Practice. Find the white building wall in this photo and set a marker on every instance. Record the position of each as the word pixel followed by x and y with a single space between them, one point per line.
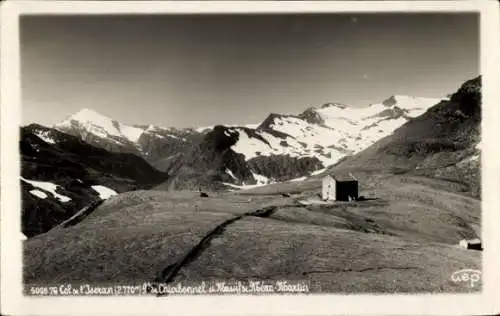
pixel 328 188
pixel 324 190
pixel 463 244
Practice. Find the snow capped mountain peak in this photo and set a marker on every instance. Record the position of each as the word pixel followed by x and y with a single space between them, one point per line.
pixel 392 100
pixel 89 115
pixel 332 130
pixel 337 105
pixel 409 102
pixel 326 132
pixel 89 121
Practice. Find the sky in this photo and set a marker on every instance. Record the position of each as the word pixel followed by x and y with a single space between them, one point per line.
pixel 196 70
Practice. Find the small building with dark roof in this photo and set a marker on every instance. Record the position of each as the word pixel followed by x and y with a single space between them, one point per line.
pixel 340 188
pixel 471 244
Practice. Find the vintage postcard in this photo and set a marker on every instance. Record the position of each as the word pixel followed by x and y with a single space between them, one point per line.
pixel 249 157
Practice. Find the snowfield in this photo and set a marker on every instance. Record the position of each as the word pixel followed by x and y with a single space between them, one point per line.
pixel 243 187
pixel 318 172
pixel 131 133
pixel 104 192
pixel 229 172
pixel 250 147
pixel 100 125
pixel 261 180
pixel 47 187
pixel 297 179
pixel 39 194
pixel 345 130
pixel 45 137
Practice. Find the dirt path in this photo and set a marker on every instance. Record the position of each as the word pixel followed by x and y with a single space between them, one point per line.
pixel 168 274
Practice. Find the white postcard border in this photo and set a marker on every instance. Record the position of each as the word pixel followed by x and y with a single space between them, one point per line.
pixel 14 303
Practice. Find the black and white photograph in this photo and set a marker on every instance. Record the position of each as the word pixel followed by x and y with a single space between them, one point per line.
pixel 165 154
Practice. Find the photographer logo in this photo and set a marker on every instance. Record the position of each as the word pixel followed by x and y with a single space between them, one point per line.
pixel 470 277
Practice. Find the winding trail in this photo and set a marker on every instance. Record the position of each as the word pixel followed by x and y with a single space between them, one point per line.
pixel 168 274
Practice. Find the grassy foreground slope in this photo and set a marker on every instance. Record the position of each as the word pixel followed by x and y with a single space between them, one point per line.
pixel 401 241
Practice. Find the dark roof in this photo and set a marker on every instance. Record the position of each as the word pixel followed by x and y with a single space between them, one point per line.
pixel 343 177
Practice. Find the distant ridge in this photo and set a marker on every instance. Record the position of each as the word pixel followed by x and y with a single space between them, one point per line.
pixel 306 142
pixel 443 142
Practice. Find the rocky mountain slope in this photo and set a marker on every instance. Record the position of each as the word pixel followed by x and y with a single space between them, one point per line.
pixel 281 147
pixel 208 164
pixel 443 142
pixel 61 174
pixel 213 164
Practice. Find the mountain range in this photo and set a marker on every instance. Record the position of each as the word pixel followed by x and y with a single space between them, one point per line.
pixel 95 215
pixel 322 134
pixel 102 152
